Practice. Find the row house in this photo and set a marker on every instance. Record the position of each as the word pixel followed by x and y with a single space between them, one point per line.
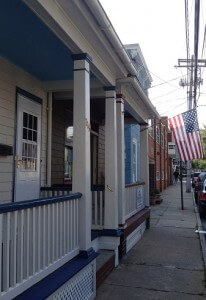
pixel 68 89
pixel 160 161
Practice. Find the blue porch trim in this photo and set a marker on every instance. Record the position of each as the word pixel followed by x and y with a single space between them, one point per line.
pixel 86 253
pixel 54 281
pixel 28 95
pixel 4 208
pixel 81 56
pixel 112 232
pixel 110 88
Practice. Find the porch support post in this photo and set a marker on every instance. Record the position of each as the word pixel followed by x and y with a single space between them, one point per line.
pixel 120 159
pixel 144 161
pixel 81 179
pixel 49 138
pixel 111 204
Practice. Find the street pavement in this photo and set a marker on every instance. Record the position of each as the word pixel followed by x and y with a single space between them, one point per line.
pixel 167 262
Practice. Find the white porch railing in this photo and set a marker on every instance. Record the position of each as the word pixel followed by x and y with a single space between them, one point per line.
pixel 97 207
pixel 36 238
pixel 134 199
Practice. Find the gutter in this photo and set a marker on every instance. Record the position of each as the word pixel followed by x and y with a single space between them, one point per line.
pixel 105 25
pixel 103 21
pixel 134 82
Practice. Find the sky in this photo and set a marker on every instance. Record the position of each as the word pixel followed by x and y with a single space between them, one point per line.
pixel 158 26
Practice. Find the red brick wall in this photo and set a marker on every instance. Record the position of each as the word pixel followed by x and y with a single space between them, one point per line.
pixel 161 158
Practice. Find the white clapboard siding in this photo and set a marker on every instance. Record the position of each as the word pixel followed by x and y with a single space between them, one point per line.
pixel 11 77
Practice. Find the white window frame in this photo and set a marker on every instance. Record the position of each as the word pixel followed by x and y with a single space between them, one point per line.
pixel 151 128
pixel 157 134
pixel 162 140
pixel 157 175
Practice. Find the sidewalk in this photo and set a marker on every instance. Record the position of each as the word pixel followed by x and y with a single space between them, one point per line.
pixel 167 263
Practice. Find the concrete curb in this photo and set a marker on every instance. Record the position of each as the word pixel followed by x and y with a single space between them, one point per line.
pixel 201 235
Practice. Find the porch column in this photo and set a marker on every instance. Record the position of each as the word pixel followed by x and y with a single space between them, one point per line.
pixel 81 179
pixel 121 159
pixel 49 138
pixel 111 204
pixel 144 161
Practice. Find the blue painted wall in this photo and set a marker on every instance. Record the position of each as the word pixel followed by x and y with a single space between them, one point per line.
pixel 131 131
pixel 27 42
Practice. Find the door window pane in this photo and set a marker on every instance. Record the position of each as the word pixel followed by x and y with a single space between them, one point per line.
pixel 29 142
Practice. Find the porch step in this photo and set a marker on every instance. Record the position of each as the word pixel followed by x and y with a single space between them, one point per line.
pixel 105 263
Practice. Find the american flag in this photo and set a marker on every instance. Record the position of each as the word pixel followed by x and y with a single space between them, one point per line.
pixel 185 130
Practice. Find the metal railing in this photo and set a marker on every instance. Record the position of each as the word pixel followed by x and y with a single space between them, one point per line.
pixel 36 237
pixel 55 191
pixel 134 199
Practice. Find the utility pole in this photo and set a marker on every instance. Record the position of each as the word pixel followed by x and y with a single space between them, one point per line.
pixel 196 42
pixel 189 82
pixel 189 106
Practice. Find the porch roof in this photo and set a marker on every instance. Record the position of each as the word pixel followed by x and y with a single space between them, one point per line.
pixel 27 42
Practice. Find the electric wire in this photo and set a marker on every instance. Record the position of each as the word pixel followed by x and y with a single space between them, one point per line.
pixel 166 94
pixel 168 81
pixel 165 112
pixel 170 100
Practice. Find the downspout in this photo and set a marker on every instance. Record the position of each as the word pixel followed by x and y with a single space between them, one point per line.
pixel 155 155
pixel 105 25
pixel 49 138
pixel 160 126
pixel 164 160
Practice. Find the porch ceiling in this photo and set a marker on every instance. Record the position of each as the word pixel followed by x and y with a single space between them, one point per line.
pixel 27 42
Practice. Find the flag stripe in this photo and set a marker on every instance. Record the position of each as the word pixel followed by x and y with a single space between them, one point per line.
pixel 190 143
pixel 184 157
pixel 195 139
pixel 177 140
pixel 184 138
pixel 199 144
pixel 192 146
pixel 185 130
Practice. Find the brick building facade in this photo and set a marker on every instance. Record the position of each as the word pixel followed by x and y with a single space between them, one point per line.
pixel 159 160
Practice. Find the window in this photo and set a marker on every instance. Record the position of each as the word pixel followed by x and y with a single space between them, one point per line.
pixel 163 173
pixel 157 175
pixel 29 142
pixel 68 157
pixel 68 154
pixel 157 134
pixel 162 140
pixel 134 160
pixel 151 128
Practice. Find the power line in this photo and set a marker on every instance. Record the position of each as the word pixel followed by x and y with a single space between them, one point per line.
pixel 168 81
pixel 170 100
pixel 173 107
pixel 164 81
pixel 166 94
